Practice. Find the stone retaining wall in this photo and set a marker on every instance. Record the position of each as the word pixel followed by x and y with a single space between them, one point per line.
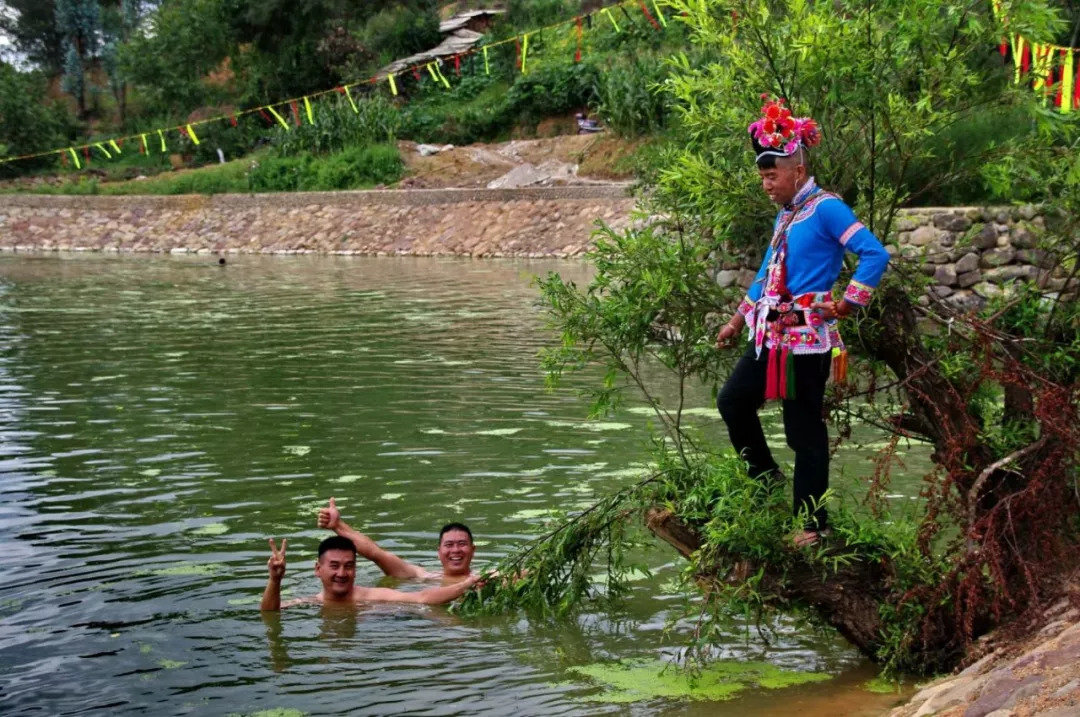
pixel 534 222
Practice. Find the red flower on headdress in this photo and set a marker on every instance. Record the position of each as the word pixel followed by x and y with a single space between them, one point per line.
pixel 777 127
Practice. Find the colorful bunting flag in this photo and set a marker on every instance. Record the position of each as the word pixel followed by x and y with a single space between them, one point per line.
pixel 648 15
pixel 393 85
pixel 352 102
pixel 278 117
pixel 612 18
pixel 577 53
pixel 307 108
pixel 75 158
pixel 659 14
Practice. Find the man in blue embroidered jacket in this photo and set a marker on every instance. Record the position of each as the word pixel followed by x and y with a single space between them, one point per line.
pixel 792 316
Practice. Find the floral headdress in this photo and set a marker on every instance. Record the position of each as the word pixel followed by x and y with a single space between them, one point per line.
pixel 779 134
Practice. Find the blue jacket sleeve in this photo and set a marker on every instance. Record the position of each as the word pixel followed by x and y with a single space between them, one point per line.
pixel 840 222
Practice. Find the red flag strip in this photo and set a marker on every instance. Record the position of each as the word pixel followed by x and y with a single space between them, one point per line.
pixel 232 120
pixel 517 49
pixel 1025 60
pixel 648 14
pixel 457 65
pixel 269 120
pixel 577 55
pixel 1076 86
pixel 295 112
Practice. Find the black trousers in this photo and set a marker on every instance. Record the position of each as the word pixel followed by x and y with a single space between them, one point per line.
pixel 804 425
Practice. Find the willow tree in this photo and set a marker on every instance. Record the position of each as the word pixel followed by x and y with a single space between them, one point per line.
pixel 906 92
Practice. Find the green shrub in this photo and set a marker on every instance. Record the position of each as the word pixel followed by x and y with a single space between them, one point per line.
pixel 354 168
pixel 337 126
pixel 554 88
pixel 627 98
pixel 359 166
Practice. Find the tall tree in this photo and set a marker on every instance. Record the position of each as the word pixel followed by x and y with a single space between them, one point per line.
pixel 79 23
pixel 31 25
pixel 120 24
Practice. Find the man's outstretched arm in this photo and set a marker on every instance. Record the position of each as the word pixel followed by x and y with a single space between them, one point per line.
pixel 428 596
pixel 390 564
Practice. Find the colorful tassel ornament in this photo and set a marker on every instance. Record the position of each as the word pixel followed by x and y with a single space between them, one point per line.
pixel 772 376
pixel 839 365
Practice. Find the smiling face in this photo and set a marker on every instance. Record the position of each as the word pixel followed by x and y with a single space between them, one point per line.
pixel 456 552
pixel 782 181
pixel 337 571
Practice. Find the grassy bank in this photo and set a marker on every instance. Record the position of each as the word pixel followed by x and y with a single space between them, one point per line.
pixel 262 171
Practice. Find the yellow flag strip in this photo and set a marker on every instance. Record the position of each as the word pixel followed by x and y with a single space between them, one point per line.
pixel 1067 83
pixel 307 108
pixel 191 133
pixel 75 157
pixel 487 70
pixel 1018 52
pixel 278 117
pixel 161 136
pixel 659 15
pixel 442 77
pixel 524 50
pixel 104 151
pixel 115 146
pixel 144 148
pixel 611 17
pixel 348 94
pixel 393 85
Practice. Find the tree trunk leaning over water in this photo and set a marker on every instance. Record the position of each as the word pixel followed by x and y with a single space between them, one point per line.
pixel 847 600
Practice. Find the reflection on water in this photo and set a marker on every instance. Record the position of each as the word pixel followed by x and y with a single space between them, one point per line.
pixel 159 418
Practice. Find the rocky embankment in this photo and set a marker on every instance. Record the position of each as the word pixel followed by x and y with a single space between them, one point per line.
pixel 527 222
pixel 1040 676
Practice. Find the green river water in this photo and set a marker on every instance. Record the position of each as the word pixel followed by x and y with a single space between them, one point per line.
pixel 161 417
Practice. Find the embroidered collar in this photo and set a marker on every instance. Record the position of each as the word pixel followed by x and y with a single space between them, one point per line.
pixel 807 189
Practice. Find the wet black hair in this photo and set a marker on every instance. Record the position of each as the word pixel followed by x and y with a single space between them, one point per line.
pixel 336 542
pixel 455 526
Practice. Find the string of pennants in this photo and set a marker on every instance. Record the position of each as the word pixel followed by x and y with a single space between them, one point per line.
pixel 301 108
pixel 1052 70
